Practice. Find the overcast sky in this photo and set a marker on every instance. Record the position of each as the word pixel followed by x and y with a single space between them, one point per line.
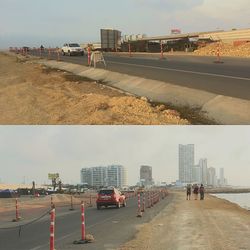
pixel 36 22
pixel 34 151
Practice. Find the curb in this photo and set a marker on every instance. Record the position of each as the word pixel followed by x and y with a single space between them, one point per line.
pixel 222 109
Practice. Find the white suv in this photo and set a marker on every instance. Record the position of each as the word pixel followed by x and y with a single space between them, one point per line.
pixel 72 49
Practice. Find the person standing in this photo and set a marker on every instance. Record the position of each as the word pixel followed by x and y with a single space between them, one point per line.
pixel 196 191
pixel 202 192
pixel 188 191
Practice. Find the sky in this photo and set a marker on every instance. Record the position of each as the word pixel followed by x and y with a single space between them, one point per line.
pixel 52 23
pixel 31 152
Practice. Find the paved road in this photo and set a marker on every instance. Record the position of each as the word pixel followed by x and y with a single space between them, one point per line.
pixel 110 227
pixel 230 78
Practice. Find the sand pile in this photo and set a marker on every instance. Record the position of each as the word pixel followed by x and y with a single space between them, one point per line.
pixel 242 50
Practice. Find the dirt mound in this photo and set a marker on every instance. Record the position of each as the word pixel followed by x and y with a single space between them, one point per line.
pixel 242 50
pixel 32 94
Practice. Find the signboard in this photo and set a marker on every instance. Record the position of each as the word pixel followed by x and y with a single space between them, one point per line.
pixel 53 176
pixel 175 31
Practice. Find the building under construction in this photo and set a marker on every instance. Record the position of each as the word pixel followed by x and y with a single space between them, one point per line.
pixel 184 44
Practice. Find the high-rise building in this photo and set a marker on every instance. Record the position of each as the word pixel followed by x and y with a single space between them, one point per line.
pixel 221 177
pixel 211 177
pixel 113 175
pixel 203 169
pixel 146 175
pixel 196 174
pixel 186 162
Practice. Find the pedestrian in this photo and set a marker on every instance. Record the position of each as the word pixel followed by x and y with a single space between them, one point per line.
pixel 202 191
pixel 196 191
pixel 188 191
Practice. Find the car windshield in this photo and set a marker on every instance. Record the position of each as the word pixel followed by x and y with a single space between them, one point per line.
pixel 74 45
pixel 106 192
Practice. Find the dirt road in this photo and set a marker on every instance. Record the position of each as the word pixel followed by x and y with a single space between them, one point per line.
pixel 212 224
pixel 32 94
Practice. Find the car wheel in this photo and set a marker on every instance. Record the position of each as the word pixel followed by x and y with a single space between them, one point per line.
pixel 63 53
pixel 82 54
pixel 118 205
pixel 98 207
pixel 124 204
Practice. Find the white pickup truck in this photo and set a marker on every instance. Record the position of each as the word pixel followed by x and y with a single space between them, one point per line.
pixel 72 49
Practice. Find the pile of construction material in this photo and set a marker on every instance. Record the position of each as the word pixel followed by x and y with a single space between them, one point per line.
pixel 236 49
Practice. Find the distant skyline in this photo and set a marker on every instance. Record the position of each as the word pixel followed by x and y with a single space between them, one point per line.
pixel 31 152
pixel 52 23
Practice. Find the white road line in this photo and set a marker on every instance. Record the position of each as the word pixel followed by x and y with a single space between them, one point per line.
pixel 182 71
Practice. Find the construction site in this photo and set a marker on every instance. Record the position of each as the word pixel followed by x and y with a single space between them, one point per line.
pixel 232 43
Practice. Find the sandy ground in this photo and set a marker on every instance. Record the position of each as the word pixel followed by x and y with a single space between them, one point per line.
pixel 32 94
pixel 30 203
pixel 242 50
pixel 212 224
pixel 16 186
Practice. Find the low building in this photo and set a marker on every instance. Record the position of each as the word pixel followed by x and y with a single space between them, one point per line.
pixel 101 176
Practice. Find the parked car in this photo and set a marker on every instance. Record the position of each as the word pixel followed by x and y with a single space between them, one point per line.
pixel 72 49
pixel 110 197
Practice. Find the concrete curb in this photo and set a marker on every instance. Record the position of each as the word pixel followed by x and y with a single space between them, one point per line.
pixel 222 109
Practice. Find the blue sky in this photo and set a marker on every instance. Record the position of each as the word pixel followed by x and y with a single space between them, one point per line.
pixel 36 22
pixel 34 151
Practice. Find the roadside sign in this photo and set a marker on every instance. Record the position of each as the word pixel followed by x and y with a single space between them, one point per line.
pixel 53 176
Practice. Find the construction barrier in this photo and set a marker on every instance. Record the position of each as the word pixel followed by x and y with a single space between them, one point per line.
pixel 71 203
pixel 218 60
pixel 83 239
pixel 162 56
pixel 83 221
pixel 97 57
pixel 52 229
pixel 139 212
pixel 17 212
pixel 143 202
pixel 89 56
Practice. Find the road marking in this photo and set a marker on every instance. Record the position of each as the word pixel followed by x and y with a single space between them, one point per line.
pixel 35 248
pixel 70 234
pixel 182 71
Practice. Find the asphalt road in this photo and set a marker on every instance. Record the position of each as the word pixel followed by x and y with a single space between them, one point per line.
pixel 110 227
pixel 230 78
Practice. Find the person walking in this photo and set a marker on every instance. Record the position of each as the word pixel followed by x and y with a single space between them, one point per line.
pixel 202 192
pixel 196 191
pixel 188 191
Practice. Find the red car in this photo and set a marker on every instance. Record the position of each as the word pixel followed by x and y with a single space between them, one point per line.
pixel 110 197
